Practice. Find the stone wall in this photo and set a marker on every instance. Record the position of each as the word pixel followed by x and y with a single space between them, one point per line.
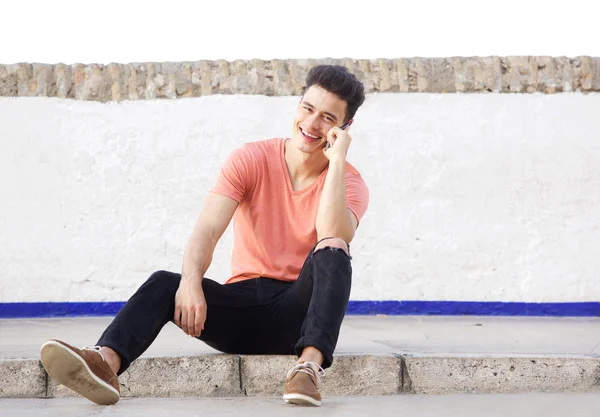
pixel 137 81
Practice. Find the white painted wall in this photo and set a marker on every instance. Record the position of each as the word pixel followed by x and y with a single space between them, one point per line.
pixel 473 197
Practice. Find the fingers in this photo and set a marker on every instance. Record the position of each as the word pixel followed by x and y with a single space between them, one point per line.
pixel 333 132
pixel 332 136
pixel 184 321
pixel 177 316
pixel 190 322
pixel 200 317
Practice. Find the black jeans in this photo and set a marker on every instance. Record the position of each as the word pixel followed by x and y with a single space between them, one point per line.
pixel 256 316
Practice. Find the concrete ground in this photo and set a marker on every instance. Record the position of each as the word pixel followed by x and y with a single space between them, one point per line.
pixel 376 355
pixel 412 335
pixel 515 405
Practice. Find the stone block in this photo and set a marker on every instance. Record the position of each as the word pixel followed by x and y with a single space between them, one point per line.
pixel 474 68
pixel 491 74
pixel 166 79
pixel 183 81
pixel 452 375
pixel 573 68
pixel 24 72
pixel 119 81
pixel 413 75
pixel 402 75
pixel 349 375
pixel 194 376
pixel 562 70
pixel 268 77
pixel 386 81
pixel 42 81
pixel 423 69
pixel 282 82
pixel 153 81
pixel 97 85
pixel 135 82
pixel 523 74
pixel 364 68
pixel 257 78
pixel 587 73
pixel 298 74
pixel 63 79
pixel 442 76
pixel 547 75
pixel 79 81
pixel 596 74
pixel 241 77
pixel 22 378
pixel 222 80
pixel 8 81
pixel 468 74
pixel 363 375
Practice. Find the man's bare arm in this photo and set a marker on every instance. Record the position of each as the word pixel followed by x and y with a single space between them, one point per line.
pixel 214 218
pixel 190 305
pixel 334 219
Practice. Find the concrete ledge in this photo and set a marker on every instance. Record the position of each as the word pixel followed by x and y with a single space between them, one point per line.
pixel 22 378
pixel 360 374
pixel 452 375
pixel 193 376
pixel 349 375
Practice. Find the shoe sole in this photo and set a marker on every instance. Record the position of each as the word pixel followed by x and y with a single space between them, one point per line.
pixel 69 369
pixel 301 399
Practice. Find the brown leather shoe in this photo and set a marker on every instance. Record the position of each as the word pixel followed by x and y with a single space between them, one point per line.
pixel 83 370
pixel 301 384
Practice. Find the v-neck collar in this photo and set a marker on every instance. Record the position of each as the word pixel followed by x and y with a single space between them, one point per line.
pixel 288 179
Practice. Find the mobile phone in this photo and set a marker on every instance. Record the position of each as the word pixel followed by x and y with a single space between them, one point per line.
pixel 344 126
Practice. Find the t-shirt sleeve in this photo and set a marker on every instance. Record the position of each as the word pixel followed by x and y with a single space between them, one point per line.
pixel 236 176
pixel 357 195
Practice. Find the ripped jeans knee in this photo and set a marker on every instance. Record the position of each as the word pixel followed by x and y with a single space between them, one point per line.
pixel 333 244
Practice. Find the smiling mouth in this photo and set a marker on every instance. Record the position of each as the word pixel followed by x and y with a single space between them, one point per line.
pixel 309 137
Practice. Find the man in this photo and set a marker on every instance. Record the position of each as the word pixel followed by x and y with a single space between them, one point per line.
pixel 289 198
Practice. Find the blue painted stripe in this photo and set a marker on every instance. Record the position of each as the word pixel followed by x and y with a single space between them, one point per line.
pixel 14 310
pixel 473 308
pixel 397 308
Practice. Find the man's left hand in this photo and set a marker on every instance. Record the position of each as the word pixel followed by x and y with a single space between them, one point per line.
pixel 339 142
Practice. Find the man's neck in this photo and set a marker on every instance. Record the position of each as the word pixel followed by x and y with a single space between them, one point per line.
pixel 301 166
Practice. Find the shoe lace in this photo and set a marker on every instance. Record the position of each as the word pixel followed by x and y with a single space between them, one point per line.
pixel 95 349
pixel 309 368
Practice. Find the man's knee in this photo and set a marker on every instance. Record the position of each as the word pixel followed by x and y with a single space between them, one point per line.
pixel 333 242
pixel 164 279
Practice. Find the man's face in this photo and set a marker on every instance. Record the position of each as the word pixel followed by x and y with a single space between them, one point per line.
pixel 318 111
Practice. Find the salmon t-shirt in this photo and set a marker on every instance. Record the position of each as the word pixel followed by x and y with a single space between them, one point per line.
pixel 274 226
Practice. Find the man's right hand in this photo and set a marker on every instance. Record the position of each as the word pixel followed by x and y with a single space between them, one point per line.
pixel 190 306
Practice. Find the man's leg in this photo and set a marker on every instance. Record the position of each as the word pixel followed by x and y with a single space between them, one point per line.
pixel 320 296
pixel 331 278
pixel 92 371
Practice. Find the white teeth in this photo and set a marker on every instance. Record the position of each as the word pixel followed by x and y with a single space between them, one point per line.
pixel 310 136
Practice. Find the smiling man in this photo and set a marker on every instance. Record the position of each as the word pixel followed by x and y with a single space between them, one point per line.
pixel 296 204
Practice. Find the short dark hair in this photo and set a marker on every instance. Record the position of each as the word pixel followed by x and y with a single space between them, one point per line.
pixel 338 80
